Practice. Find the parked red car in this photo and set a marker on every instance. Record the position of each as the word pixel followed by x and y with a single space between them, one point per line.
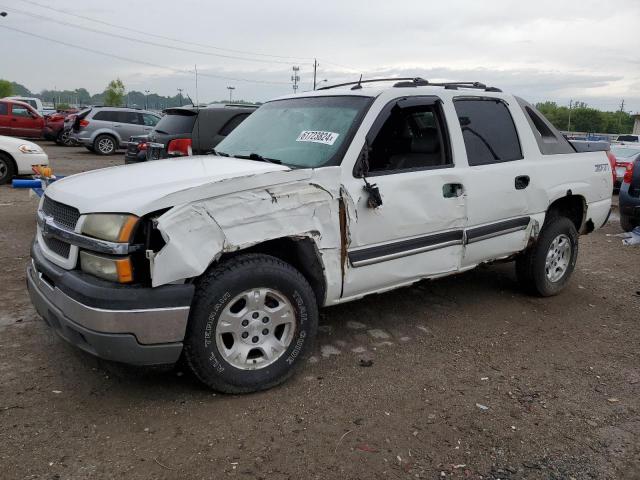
pixel 19 119
pixel 54 126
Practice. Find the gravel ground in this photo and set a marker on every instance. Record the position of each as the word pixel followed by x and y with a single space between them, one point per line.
pixel 470 378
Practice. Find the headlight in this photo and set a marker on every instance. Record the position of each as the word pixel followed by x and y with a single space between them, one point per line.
pixel 114 227
pixel 114 269
pixel 29 149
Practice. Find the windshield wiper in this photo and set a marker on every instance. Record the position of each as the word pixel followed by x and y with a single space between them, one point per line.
pixel 260 158
pixel 220 154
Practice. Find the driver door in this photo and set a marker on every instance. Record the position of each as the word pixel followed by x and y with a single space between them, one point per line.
pixel 417 231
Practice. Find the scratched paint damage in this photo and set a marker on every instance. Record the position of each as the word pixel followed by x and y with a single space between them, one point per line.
pixel 243 212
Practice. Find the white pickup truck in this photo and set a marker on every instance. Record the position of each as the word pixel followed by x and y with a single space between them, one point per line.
pixel 316 199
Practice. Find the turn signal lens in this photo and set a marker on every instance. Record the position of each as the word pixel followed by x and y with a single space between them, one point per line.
pixel 109 268
pixel 628 173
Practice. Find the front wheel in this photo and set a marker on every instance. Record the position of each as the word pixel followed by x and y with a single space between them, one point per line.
pixel 545 268
pixel 253 320
pixel 7 169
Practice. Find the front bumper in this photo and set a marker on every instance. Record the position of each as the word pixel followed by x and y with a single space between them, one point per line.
pixel 135 325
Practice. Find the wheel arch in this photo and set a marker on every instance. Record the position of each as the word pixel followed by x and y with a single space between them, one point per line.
pixel 300 252
pixel 11 159
pixel 108 133
pixel 573 207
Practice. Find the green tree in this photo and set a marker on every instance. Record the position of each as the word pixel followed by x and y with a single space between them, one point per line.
pixel 6 89
pixel 114 94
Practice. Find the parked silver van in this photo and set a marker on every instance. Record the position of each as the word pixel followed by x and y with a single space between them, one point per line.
pixel 104 130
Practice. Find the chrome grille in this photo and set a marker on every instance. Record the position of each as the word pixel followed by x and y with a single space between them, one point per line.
pixel 58 246
pixel 62 214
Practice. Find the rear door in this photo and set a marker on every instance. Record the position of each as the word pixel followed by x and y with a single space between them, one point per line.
pixel 25 122
pixel 5 119
pixel 498 180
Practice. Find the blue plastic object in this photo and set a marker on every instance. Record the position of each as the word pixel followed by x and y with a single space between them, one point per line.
pixel 18 183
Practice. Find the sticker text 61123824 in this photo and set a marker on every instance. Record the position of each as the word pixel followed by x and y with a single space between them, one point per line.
pixel 317 136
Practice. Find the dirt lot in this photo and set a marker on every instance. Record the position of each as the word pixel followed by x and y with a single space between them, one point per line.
pixel 470 379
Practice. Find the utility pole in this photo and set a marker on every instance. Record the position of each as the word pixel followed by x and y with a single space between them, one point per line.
pixel 569 126
pixel 315 71
pixel 180 93
pixel 231 89
pixel 295 78
pixel 146 99
pixel 620 116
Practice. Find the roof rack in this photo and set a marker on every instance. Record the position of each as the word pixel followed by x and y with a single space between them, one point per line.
pixel 415 82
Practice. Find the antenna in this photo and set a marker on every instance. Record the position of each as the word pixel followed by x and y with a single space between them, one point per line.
pixel 295 78
pixel 197 108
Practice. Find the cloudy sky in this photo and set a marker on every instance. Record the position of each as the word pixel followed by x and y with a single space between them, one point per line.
pixel 557 50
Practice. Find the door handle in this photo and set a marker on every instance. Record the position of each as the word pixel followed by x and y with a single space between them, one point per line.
pixel 452 190
pixel 522 182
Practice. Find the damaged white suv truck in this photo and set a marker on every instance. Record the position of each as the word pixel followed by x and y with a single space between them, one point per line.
pixel 316 199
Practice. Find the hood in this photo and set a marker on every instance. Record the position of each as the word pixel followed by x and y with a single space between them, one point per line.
pixel 146 187
pixel 13 143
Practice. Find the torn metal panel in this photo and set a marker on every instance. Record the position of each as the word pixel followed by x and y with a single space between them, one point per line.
pixel 197 233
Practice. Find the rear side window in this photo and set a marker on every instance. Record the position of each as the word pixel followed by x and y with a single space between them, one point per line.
pixel 232 124
pixel 627 138
pixel 129 117
pixel 4 109
pixel 175 124
pixel 106 116
pixel 488 130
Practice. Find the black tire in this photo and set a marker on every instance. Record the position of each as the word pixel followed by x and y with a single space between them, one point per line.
pixel 63 138
pixel 217 291
pixel 7 168
pixel 626 224
pixel 531 268
pixel 105 145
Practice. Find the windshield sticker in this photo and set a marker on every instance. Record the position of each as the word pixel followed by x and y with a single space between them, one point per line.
pixel 317 136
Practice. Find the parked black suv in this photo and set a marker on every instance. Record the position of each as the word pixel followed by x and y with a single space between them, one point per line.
pixel 187 131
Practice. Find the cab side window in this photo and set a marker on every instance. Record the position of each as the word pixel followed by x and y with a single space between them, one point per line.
pixel 18 111
pixel 411 138
pixel 488 130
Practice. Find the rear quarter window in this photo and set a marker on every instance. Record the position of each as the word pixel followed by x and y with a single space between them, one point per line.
pixel 176 123
pixel 232 124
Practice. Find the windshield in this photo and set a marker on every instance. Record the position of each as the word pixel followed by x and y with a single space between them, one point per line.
pixel 300 132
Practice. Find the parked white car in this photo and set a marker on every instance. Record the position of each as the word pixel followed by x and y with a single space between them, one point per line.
pixel 36 103
pixel 315 200
pixel 18 156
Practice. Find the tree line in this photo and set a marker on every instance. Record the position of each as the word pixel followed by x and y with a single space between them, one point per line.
pixel 114 94
pixel 582 118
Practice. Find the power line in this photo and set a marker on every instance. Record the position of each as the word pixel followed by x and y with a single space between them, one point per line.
pixel 139 62
pixel 113 25
pixel 147 42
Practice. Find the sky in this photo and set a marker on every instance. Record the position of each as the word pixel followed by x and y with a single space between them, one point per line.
pixel 558 50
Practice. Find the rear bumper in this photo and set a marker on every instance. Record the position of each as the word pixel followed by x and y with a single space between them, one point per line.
pixel 120 325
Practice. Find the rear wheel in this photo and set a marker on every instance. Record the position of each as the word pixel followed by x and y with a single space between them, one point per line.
pixel 7 168
pixel 105 145
pixel 252 321
pixel 545 268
